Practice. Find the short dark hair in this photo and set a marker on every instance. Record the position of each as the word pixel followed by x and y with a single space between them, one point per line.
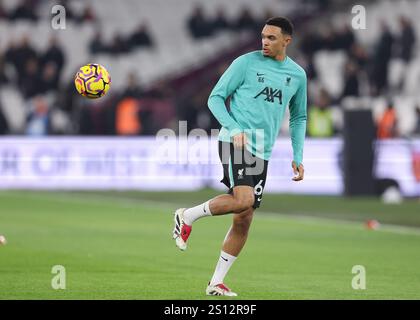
pixel 283 23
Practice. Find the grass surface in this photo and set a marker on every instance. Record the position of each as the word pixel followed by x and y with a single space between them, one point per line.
pixel 117 245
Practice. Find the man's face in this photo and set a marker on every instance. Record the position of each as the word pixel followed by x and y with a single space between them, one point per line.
pixel 274 41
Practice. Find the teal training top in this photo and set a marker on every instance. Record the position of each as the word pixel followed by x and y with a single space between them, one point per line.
pixel 260 88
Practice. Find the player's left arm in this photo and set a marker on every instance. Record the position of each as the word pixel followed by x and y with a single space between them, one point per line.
pixel 297 127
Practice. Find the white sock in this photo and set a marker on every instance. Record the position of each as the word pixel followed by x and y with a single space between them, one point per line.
pixel 194 213
pixel 223 265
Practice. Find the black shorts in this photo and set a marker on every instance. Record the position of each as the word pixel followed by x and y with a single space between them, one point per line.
pixel 241 168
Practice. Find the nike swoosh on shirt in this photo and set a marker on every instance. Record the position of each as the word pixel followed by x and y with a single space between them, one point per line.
pixel 260 74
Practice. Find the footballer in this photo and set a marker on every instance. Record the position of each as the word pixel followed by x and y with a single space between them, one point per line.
pixel 260 84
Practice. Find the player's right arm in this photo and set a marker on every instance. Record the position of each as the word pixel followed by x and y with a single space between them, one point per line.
pixel 231 79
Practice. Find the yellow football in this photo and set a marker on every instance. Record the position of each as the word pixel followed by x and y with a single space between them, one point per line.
pixel 92 81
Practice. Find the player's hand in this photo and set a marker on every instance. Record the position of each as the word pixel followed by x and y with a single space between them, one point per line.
pixel 239 141
pixel 297 171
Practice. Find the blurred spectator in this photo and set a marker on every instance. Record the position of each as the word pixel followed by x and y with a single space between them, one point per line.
pixel 140 38
pixel 220 22
pixel 329 41
pixel 387 125
pixel 52 63
pixel 323 5
pixel 127 117
pixel 307 63
pixel 3 77
pixel 96 45
pixel 30 82
pixel 93 117
pixel 406 41
pixel 118 45
pixel 68 100
pixel 85 120
pixel 310 42
pixel 21 55
pixel 133 89
pixel 198 24
pixel 38 120
pixel 345 38
pixel 351 80
pixel 4 126
pixel 194 110
pixel 3 12
pixel 358 55
pixel 405 45
pixel 417 128
pixel 10 55
pixel 246 21
pixel 161 90
pixel 320 122
pixel 49 78
pixel 25 10
pixel 54 55
pixel 188 108
pixel 380 60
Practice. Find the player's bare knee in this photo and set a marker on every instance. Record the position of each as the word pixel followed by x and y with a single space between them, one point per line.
pixel 243 203
pixel 249 202
pixel 242 221
pixel 244 200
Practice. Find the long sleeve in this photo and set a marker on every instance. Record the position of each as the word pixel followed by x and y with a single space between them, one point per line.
pixel 297 124
pixel 231 79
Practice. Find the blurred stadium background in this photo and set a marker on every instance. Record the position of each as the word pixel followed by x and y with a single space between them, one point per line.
pixel 83 184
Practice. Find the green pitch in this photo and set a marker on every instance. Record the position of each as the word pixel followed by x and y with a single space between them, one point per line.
pixel 118 246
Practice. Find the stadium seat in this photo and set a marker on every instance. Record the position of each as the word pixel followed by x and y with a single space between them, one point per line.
pixel 13 108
